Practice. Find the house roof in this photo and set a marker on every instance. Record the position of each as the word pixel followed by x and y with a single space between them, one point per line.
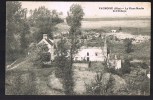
pixel 49 41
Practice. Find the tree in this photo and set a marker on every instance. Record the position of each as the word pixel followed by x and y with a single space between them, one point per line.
pixel 44 20
pixel 23 39
pixel 75 15
pixel 120 29
pixel 24 31
pixel 63 66
pixel 15 23
pixel 128 45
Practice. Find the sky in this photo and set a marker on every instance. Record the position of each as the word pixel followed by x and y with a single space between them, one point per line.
pixel 91 9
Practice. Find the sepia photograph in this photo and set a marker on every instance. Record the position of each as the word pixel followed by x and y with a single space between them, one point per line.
pixel 78 48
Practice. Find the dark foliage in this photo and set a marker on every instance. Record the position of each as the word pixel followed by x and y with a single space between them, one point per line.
pixel 126 68
pixel 64 68
pixel 128 45
pixel 44 20
pixel 16 30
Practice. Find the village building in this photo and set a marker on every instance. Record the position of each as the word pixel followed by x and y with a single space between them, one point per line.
pixel 113 31
pixel 114 62
pixel 50 45
pixel 91 53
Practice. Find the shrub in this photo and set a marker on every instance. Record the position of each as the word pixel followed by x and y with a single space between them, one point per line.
pixel 99 87
pixel 38 54
pixel 128 45
pixel 95 88
pixel 125 69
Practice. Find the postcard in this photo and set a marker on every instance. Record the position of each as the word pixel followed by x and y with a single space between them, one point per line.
pixel 78 48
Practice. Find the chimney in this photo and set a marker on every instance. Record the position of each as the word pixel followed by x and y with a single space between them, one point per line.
pixel 115 57
pixel 44 36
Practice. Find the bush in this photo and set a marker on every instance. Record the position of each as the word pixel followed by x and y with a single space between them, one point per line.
pixel 125 69
pixel 138 84
pixel 39 54
pixel 128 45
pixel 95 88
pixel 144 65
pixel 46 56
pixel 100 86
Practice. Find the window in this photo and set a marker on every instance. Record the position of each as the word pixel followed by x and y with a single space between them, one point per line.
pixel 96 54
pixel 87 53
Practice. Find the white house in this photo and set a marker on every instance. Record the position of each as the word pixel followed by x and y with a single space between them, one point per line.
pixel 92 53
pixel 113 31
pixel 50 45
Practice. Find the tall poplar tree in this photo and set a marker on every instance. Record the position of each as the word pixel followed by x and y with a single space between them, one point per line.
pixel 75 15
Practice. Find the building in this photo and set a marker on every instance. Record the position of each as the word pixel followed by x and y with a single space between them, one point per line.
pixel 91 53
pixel 113 31
pixel 50 45
pixel 114 62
